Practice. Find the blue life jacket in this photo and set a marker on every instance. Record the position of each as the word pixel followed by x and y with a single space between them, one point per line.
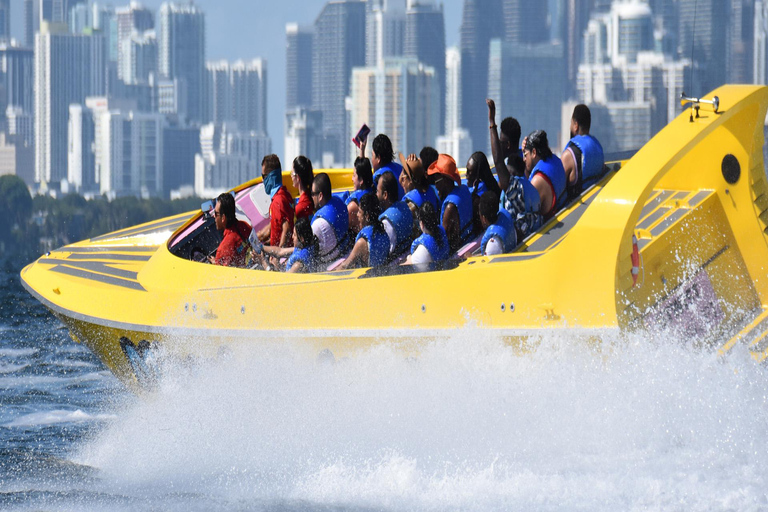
pixel 479 189
pixel 438 248
pixel 401 218
pixel 306 256
pixel 462 199
pixel 335 213
pixel 378 245
pixel 553 169
pixel 418 197
pixel 356 195
pixel 395 168
pixel 504 229
pixel 592 159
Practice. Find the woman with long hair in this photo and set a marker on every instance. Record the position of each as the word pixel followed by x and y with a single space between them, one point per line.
pixel 432 245
pixel 303 256
pixel 371 247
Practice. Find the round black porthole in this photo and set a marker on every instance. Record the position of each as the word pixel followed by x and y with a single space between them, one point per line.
pixel 731 169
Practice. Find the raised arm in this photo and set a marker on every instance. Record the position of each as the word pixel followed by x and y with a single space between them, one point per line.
pixel 496 152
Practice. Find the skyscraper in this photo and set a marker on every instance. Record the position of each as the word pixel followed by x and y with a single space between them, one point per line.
pixel 526 21
pixel 131 18
pixel 5 20
pixel 237 92
pixel 181 52
pixel 68 68
pixel 384 30
pixel 139 57
pixel 298 66
pixel 425 41
pixel 482 21
pixel 17 78
pixel 339 47
pixel 740 41
pixel 577 17
pixel 29 23
pixel 702 33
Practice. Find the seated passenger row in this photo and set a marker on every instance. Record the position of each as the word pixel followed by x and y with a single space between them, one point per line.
pixel 418 210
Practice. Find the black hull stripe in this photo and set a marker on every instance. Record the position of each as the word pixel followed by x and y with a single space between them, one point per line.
pixel 92 266
pixel 109 256
pixel 127 248
pixel 93 276
pixel 143 230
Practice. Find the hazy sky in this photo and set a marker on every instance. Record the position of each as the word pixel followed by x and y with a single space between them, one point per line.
pixel 245 29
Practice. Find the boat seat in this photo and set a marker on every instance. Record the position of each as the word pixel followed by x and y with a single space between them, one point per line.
pixel 469 248
pixel 334 265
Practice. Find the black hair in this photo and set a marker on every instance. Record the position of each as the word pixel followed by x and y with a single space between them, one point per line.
pixel 389 185
pixel 227 207
pixel 428 217
pixel 382 146
pixel 489 206
pixel 511 128
pixel 271 162
pixel 484 172
pixel 537 140
pixel 306 237
pixel 323 186
pixel 583 116
pixel 369 204
pixel 364 171
pixel 427 155
pixel 302 166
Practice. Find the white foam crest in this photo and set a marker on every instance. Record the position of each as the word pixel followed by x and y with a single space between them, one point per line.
pixel 12 368
pixel 467 423
pixel 18 352
pixel 57 416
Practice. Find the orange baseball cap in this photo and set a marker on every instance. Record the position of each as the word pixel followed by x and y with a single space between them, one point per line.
pixel 445 164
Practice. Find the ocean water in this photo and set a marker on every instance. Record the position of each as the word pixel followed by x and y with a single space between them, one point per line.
pixel 636 423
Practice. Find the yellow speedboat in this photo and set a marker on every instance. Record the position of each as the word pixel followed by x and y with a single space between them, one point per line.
pixel 674 238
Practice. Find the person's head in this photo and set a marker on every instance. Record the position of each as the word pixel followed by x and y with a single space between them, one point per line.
pixel 477 168
pixel 302 174
pixel 302 233
pixel 386 190
pixel 488 208
pixel 413 175
pixel 224 211
pixel 444 174
pixel 369 211
pixel 581 120
pixel 362 176
pixel 535 148
pixel 381 151
pixel 428 218
pixel 509 136
pixel 321 190
pixel 427 155
pixel 269 163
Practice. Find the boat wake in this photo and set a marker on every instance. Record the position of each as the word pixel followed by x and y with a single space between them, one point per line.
pixel 468 424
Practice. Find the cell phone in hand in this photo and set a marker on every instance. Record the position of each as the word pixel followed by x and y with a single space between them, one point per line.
pixel 362 135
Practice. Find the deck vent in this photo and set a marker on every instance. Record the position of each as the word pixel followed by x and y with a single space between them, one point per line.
pixel 731 169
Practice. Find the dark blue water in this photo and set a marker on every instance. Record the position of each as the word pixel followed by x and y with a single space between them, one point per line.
pixel 635 423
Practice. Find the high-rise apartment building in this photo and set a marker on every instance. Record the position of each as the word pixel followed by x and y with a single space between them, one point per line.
pixel 482 21
pixel 740 41
pixel 139 57
pixel 181 52
pixel 525 21
pixel 455 140
pixel 384 30
pixel 81 157
pixel 399 97
pixel 68 68
pixel 237 92
pixel 180 145
pixel 425 40
pixel 303 135
pixel 17 78
pixel 298 66
pixel 5 20
pixel 131 18
pixel 703 34
pixel 339 46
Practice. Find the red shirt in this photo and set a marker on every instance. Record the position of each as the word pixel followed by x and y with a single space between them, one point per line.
pixel 280 210
pixel 305 207
pixel 231 251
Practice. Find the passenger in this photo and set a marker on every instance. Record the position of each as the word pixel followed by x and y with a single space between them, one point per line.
pixel 545 171
pixel 505 147
pixel 362 180
pixel 303 256
pixel 382 156
pixel 397 217
pixel 500 235
pixel 414 181
pixel 330 222
pixel 479 180
pixel 456 212
pixel 427 155
pixel 433 244
pixel 583 158
pixel 281 208
pixel 302 177
pixel 371 247
pixel 234 245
